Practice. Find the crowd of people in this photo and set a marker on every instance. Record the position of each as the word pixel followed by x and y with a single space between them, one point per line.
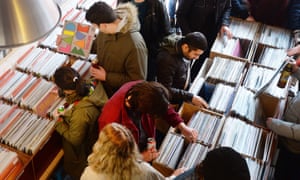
pixel 142 69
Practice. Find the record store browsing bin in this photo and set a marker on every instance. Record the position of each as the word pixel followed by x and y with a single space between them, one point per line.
pixel 215 130
pixel 256 143
pixel 176 151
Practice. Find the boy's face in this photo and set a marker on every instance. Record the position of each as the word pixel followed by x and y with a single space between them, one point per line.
pixel 105 28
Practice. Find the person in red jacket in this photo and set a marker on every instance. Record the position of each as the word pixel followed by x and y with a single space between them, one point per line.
pixel 136 105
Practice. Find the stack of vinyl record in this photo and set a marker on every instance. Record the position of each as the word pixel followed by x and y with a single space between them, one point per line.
pixel 220 100
pixel 225 70
pixel 276 37
pixel 41 62
pixel 245 138
pixel 9 163
pixel 244 29
pixel 207 126
pixel 193 155
pixel 170 150
pixel 23 130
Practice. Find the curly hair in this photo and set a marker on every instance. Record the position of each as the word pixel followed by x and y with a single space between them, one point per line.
pixel 115 153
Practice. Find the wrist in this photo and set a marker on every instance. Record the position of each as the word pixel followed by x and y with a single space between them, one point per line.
pixel 181 126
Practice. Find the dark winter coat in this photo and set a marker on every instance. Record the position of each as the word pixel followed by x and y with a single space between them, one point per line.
pixel 123 55
pixel 155 26
pixel 172 71
pixel 204 16
pixel 269 12
pixel 294 15
pixel 239 9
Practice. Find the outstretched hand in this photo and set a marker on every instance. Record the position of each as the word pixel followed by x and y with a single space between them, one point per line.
pixel 293 51
pixel 199 101
pixel 226 31
pixel 150 154
pixel 189 133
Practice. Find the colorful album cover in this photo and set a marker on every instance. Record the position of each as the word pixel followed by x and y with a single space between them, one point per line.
pixel 76 39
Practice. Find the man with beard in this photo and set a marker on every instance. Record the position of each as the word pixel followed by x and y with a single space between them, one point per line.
pixel 175 60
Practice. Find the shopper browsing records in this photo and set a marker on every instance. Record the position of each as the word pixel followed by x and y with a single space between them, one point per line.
pixel 175 60
pixel 137 105
pixel 120 48
pixel 288 129
pixel 115 156
pixel 222 163
pixel 205 16
pixel 77 124
pixel 155 26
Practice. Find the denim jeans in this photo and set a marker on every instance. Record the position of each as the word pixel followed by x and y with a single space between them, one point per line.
pixel 172 8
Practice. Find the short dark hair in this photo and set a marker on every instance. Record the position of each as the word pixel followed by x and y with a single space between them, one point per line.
pixel 149 97
pixel 67 78
pixel 225 163
pixel 195 40
pixel 100 12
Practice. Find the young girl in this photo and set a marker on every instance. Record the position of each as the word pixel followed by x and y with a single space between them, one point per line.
pixel 77 124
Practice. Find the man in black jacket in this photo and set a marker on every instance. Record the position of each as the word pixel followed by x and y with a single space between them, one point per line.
pixel 175 59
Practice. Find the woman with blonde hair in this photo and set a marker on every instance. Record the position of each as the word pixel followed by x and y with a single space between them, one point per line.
pixel 115 156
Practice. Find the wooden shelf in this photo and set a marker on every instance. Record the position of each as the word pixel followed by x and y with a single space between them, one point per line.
pixel 38 166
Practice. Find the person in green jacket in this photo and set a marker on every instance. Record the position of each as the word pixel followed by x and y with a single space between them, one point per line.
pixel 120 48
pixel 77 123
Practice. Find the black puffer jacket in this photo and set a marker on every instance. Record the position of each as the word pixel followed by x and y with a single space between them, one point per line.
pixel 294 15
pixel 155 25
pixel 204 16
pixel 172 71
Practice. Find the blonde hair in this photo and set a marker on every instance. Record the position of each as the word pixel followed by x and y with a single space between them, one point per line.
pixel 115 153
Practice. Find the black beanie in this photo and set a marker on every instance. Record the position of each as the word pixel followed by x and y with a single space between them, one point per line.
pixel 226 164
pixel 100 12
pixel 196 40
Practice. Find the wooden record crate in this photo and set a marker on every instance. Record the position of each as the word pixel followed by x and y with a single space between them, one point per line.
pixel 186 111
pixel 242 50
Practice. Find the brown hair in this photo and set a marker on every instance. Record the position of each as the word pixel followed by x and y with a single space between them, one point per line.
pixel 148 97
pixel 67 78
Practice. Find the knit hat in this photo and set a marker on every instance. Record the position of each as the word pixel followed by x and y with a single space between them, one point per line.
pixel 196 40
pixel 100 12
pixel 225 163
